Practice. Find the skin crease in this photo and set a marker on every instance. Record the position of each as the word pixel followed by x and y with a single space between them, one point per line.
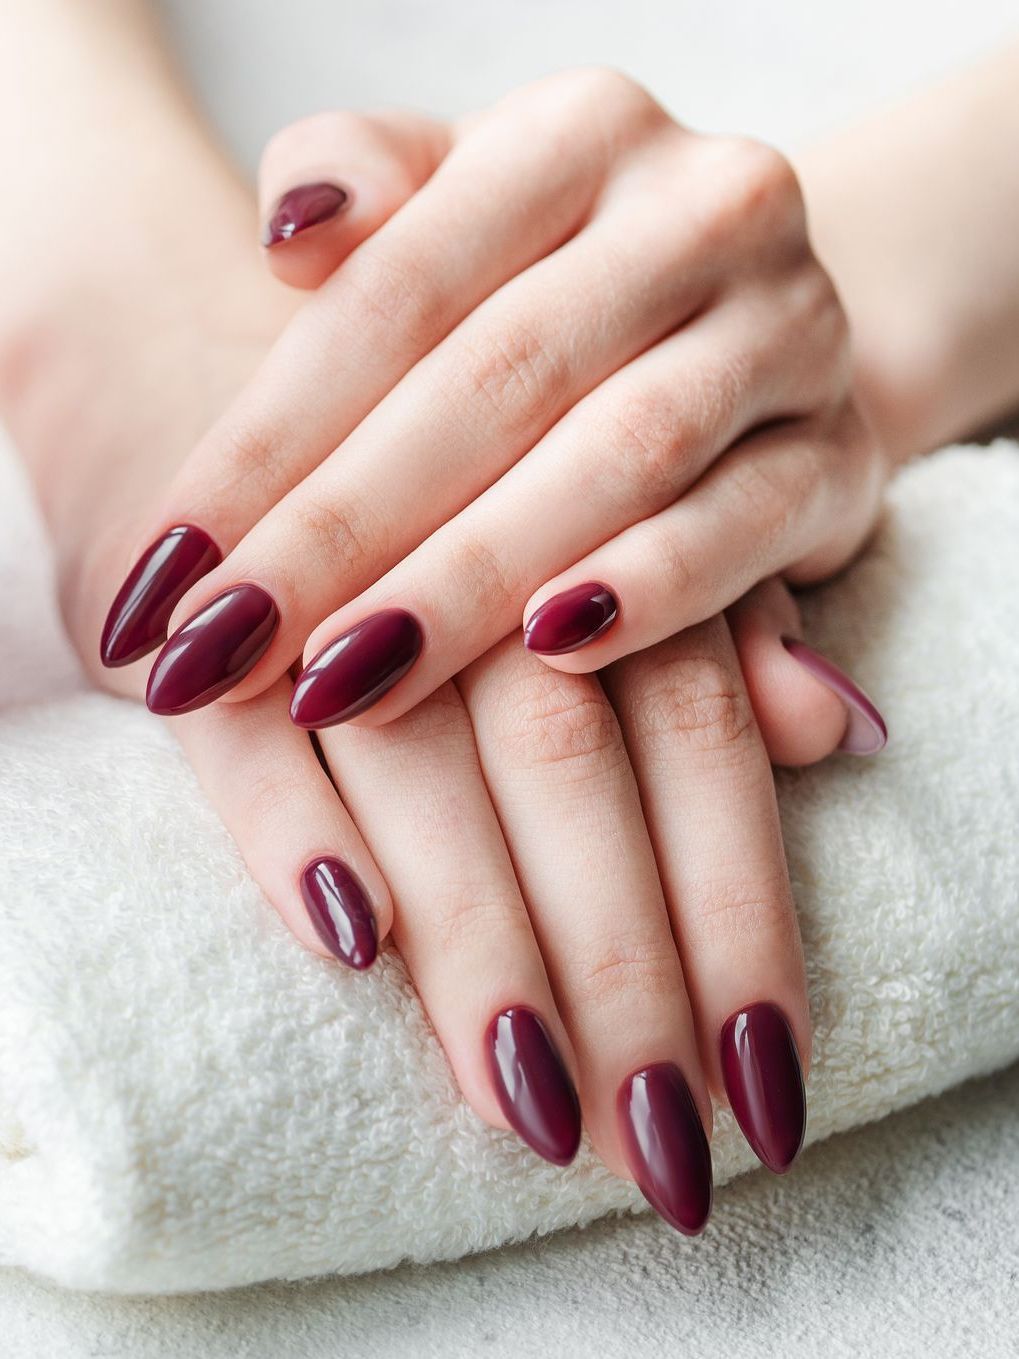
pixel 49 343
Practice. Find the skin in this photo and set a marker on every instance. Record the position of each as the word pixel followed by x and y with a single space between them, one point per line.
pixel 505 749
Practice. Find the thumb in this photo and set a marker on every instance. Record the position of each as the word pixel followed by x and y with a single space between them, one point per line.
pixel 327 182
pixel 806 707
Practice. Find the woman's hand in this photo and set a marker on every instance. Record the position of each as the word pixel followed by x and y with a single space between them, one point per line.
pixel 578 368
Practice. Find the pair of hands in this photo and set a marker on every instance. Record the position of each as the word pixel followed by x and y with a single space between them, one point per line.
pixel 579 367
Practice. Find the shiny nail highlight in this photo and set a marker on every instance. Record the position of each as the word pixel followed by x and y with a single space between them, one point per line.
pixel 570 620
pixel 533 1086
pixel 764 1083
pixel 212 651
pixel 339 909
pixel 356 669
pixel 155 585
pixel 865 732
pixel 305 206
pixel 665 1145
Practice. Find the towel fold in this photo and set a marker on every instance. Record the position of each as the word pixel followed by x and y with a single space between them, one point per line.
pixel 188 1100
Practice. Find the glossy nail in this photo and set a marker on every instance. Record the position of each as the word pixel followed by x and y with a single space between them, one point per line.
pixel 306 206
pixel 212 651
pixel 665 1146
pixel 570 620
pixel 356 669
pixel 865 732
pixel 340 912
pixel 764 1083
pixel 534 1088
pixel 157 582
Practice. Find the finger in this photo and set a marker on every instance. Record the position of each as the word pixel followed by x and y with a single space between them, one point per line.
pixel 451 245
pixel 290 826
pixel 328 182
pixel 417 792
pixel 792 498
pixel 556 767
pixel 805 707
pixel 625 451
pixel 709 798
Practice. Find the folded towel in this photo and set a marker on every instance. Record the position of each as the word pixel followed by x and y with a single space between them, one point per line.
pixel 189 1101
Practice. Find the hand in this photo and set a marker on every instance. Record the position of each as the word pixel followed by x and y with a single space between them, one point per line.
pixel 586 882
pixel 578 367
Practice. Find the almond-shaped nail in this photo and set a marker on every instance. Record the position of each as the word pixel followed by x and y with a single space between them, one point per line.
pixel 307 205
pixel 137 621
pixel 570 620
pixel 665 1145
pixel 865 732
pixel 356 669
pixel 764 1083
pixel 532 1084
pixel 339 909
pixel 212 651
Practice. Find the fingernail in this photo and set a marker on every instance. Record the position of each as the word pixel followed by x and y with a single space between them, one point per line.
pixel 865 732
pixel 570 620
pixel 534 1088
pixel 340 912
pixel 356 669
pixel 159 579
pixel 306 206
pixel 665 1145
pixel 764 1083
pixel 212 651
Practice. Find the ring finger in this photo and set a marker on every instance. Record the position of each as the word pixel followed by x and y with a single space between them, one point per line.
pixel 709 797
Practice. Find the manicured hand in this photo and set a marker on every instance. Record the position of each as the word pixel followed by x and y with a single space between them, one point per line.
pixel 574 367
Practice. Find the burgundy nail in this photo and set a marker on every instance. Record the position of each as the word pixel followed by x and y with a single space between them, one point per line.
pixel 212 651
pixel 665 1145
pixel 865 732
pixel 764 1083
pixel 155 585
pixel 339 909
pixel 534 1088
pixel 570 620
pixel 306 206
pixel 356 669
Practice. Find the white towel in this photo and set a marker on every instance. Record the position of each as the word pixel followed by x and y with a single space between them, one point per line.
pixel 189 1101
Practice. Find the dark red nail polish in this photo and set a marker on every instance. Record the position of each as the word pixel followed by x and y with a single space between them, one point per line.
pixel 568 621
pixel 157 582
pixel 356 669
pixel 212 651
pixel 306 206
pixel 665 1145
pixel 534 1088
pixel 339 909
pixel 764 1083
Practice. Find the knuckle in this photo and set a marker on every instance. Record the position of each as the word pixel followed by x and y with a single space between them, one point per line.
pixel 472 916
pixel 773 502
pixel 342 538
pixel 515 370
pixel 756 186
pixel 612 969
pixel 269 790
pixel 554 719
pixel 394 300
pixel 252 456
pixel 738 911
pixel 625 101
pixel 699 700
pixel 644 436
pixel 485 580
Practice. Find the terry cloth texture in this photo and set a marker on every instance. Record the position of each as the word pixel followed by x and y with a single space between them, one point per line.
pixel 189 1101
